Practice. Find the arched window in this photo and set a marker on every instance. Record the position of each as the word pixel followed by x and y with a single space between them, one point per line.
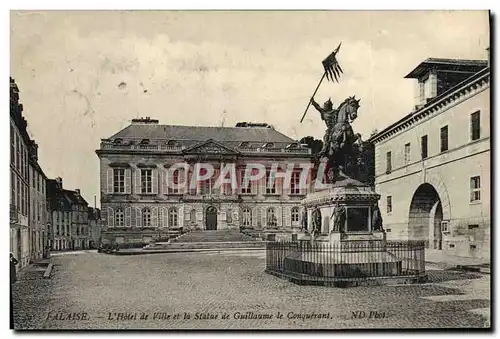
pixel 295 214
pixel 172 217
pixel 146 217
pixel 119 217
pixel 271 217
pixel 192 215
pixel 245 144
pixel 172 143
pixel 145 142
pixel 117 141
pixel 246 217
pixel 269 145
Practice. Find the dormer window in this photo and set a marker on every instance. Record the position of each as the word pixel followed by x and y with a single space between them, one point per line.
pixel 118 141
pixel 145 142
pixel 244 144
pixel 293 145
pixel 172 143
pixel 268 145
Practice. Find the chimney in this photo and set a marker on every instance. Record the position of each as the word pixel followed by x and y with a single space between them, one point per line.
pixel 59 181
pixel 77 190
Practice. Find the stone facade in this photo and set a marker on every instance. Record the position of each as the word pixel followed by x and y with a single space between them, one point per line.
pixel 19 180
pixel 38 220
pixel 69 217
pixel 138 205
pixel 432 167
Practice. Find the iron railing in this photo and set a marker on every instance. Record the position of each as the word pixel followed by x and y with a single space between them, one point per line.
pixel 346 260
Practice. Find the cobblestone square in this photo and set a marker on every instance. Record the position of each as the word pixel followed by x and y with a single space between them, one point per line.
pixel 230 290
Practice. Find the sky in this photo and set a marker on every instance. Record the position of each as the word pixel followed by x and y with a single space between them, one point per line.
pixel 83 75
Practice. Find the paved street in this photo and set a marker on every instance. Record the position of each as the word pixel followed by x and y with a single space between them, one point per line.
pixel 163 285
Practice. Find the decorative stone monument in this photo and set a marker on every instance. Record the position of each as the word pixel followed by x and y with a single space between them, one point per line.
pixel 344 221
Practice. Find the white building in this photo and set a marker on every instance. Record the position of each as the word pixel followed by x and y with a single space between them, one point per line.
pixel 432 167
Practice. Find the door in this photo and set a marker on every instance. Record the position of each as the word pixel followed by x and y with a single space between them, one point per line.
pixel 211 218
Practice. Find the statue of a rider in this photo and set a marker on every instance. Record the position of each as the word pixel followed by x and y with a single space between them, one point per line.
pixel 339 137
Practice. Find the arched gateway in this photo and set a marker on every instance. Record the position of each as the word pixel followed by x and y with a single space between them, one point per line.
pixel 426 215
pixel 211 218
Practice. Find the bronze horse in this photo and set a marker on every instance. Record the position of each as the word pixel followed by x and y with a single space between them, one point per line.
pixel 339 136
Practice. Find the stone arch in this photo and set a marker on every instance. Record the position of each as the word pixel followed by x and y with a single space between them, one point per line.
pixel 438 184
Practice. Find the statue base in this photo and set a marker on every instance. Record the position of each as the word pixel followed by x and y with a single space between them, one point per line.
pixel 351 256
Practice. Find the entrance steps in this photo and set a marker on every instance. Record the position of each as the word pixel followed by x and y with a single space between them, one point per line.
pixel 208 240
pixel 213 236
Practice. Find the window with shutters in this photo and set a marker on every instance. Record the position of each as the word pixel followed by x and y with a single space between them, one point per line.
pixel 475 128
pixel 119 180
pixel 172 217
pixel 295 214
pixel 247 217
pixel 475 189
pixel 272 221
pixel 146 181
pixel 294 183
pixel 119 218
pixel 146 217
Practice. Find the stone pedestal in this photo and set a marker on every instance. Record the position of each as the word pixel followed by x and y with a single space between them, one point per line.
pixel 346 245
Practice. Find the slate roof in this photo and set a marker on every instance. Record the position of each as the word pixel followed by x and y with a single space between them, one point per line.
pixel 62 199
pixel 202 133
pixel 74 198
pixel 472 66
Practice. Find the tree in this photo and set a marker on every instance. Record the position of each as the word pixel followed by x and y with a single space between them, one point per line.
pixel 315 145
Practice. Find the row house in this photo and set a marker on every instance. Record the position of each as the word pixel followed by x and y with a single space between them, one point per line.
pixel 69 217
pixel 19 180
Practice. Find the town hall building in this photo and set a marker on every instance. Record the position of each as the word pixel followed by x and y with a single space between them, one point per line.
pixel 138 204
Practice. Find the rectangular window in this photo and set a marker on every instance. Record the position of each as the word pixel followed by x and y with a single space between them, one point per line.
pixel 12 188
pixel 229 216
pixel 12 145
pixel 423 146
pixel 444 226
pixel 471 227
pixel 475 189
pixel 475 128
pixel 389 204
pixel 248 189
pixel 388 162
pixel 444 139
pixel 294 183
pixel 18 154
pixel 18 201
pixel 119 180
pixel 270 189
pixel 407 153
pixel 146 181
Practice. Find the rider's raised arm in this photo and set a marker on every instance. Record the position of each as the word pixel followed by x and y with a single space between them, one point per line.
pixel 318 107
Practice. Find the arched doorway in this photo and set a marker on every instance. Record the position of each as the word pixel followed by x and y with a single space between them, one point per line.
pixel 426 215
pixel 211 218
